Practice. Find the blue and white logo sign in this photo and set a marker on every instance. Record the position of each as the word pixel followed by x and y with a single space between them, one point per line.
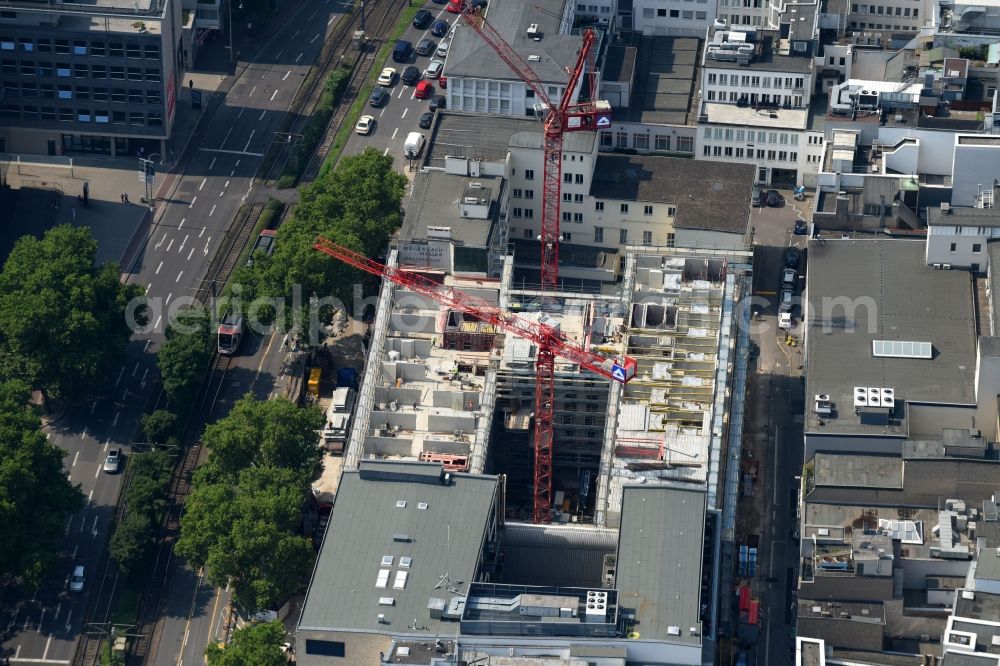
pixel 604 121
pixel 618 373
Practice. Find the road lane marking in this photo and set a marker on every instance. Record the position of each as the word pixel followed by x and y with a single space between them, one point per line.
pixel 203 181
pixel 211 211
pixel 97 473
pixel 181 248
pixel 402 89
pixel 75 458
pixel 385 152
pixel 68 616
pixel 404 113
pixel 394 132
pixel 382 112
pixel 222 192
pixel 148 287
pixel 300 57
pixel 83 435
pixel 190 253
pixel 228 133
pixel 226 185
pixel 120 376
pixel 90 498
pixel 115 422
pixel 331 20
pixel 156 326
pixel 273 95
pixel 252 91
pixel 179 276
pixel 206 244
pixel 58 608
pixel 41 618
pixel 211 164
pixel 94 530
pixel 278 54
pixel 69 524
pixel 47 644
pixel 93 408
pixel 311 16
pixel 262 114
pixel 76 548
pixel 314 38
pixel 240 114
pixel 181 225
pixel 83 523
pixel 202 232
pixel 191 205
pixel 296 34
pixel 166 302
pixel 145 372
pixel 136 368
pixel 250 138
pixel 170 244
pixel 162 240
pixel 232 152
pixel 157 271
pixel 413 95
pixel 287 74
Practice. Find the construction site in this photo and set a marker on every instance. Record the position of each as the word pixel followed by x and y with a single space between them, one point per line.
pixel 442 386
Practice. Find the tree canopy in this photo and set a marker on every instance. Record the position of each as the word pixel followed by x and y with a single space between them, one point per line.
pixel 258 644
pixel 357 205
pixel 62 317
pixel 35 494
pixel 185 354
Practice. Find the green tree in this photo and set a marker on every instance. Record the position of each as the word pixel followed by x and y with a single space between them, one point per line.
pixel 133 541
pixel 62 317
pixel 245 535
pixel 35 493
pixel 147 491
pixel 268 433
pixel 258 644
pixel 159 426
pixel 183 358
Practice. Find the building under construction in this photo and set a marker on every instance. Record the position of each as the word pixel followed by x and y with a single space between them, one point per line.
pixel 440 387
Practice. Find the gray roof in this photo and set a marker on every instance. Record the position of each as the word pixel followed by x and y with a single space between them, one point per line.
pixel 892 295
pixel 366 525
pixel 713 196
pixel 858 471
pixel 555 556
pixel 988 564
pixel 978 217
pixel 470 56
pixel 982 606
pixel 861 629
pixel 619 64
pixel 473 136
pixel 434 202
pixel 660 549
pixel 964 659
pixel 765 59
pixel 664 82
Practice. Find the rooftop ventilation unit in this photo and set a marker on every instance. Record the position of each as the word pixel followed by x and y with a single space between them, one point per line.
pixel 533 30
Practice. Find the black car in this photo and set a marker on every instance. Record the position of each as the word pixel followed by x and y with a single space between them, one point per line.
pixel 438 102
pixel 800 228
pixel 792 258
pixel 422 19
pixel 379 96
pixel 410 75
pixel 774 198
pixel 425 120
pixel 425 47
pixel 440 28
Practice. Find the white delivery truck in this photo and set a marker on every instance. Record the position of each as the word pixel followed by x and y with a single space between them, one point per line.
pixel 414 145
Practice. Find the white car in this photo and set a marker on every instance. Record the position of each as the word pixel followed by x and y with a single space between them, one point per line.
pixel 365 125
pixel 785 321
pixel 434 69
pixel 387 77
pixel 113 462
pixel 442 50
pixel 77 580
pixel 786 301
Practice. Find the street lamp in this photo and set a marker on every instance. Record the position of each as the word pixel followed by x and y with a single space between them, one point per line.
pixel 229 6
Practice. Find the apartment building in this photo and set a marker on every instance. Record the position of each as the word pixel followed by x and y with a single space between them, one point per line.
pixel 99 78
pixel 890 15
pixel 676 18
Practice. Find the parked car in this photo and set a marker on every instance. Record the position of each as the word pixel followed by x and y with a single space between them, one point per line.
pixel 788 278
pixel 113 461
pixel 78 578
pixel 786 301
pixel 424 90
pixel 785 321
pixel 422 19
pixel 379 97
pixel 425 47
pixel 439 102
pixel 774 198
pixel 757 197
pixel 387 77
pixel 365 125
pixel 401 51
pixel 440 28
pixel 801 228
pixel 442 50
pixel 792 257
pixel 410 75
pixel 433 70
pixel 426 119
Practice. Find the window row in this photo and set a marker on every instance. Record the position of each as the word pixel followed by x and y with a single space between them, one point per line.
pixel 740 97
pixel 756 4
pixel 856 25
pixel 99 116
pixel 593 9
pixel 660 142
pixel 752 81
pixel 81 47
pixel 675 13
pixel 647 236
pixel 82 93
pixel 745 19
pixel 739 135
pixel 64 70
pixel 740 153
pixel 880 10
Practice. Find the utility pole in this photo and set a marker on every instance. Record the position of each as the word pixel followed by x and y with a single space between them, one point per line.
pixel 362 15
pixel 147 175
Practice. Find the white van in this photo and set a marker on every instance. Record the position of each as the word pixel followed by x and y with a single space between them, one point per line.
pixel 414 145
pixel 77 579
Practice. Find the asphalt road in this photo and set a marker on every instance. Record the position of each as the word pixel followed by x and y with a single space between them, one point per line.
pixel 44 628
pixel 401 113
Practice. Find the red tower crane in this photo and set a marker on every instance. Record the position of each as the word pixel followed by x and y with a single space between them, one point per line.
pixel 559 119
pixel 550 341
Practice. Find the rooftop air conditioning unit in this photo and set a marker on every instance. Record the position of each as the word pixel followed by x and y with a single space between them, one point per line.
pixel 533 30
pixel 860 396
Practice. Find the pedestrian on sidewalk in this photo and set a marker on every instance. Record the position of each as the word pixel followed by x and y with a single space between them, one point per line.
pixel 122 197
pixel 126 198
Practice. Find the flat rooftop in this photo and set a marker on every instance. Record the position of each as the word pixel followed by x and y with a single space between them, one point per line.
pixel 665 82
pixel 858 471
pixel 859 291
pixel 660 554
pixel 963 215
pixel 458 134
pixel 766 57
pixel 436 203
pixel 711 196
pixel 395 529
pixel 731 114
